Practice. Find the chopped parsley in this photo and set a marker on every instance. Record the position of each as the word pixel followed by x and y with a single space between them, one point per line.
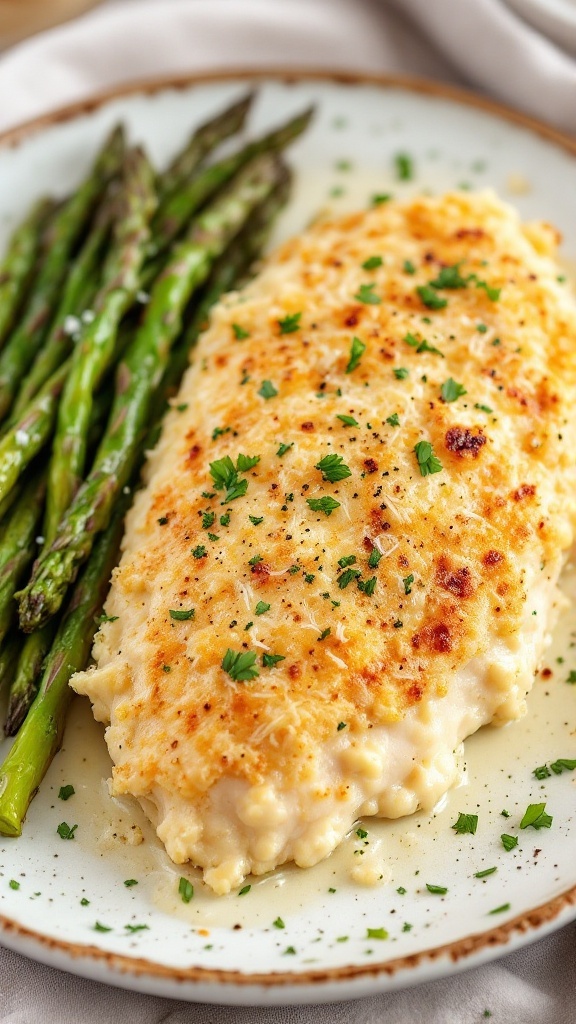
pixel 262 607
pixel 466 824
pixel 492 293
pixel 485 873
pixel 240 665
pixel 429 296
pixel 185 890
pixel 199 551
pixel 163 521
pixel 14 884
pixel 401 890
pixel 289 951
pixel 208 520
pixel 451 390
pixel 244 890
pixel 181 614
pixel 219 432
pixel 256 520
pixel 421 345
pixel 348 421
pixel 346 577
pixel 450 277
pixel 404 167
pixel 393 420
pixel 481 328
pixel 357 350
pixel 374 558
pixel 535 817
pixel 240 333
pixel 290 323
pixel 340 726
pixel 400 372
pixel 267 389
pixel 284 448
pixel 225 519
pixel 428 462
pixel 66 831
pixel 278 923
pixel 571 677
pixel 213 537
pixel 501 909
pixel 84 902
pixel 254 560
pixel 333 468
pixel 325 504
pixel 225 475
pixel 107 618
pixel 246 462
pixel 366 295
pixel 65 792
pixel 269 660
pixel 483 408
pixel 380 197
pixel 408 581
pixel 376 933
pixel 437 890
pixel 346 560
pixel 129 882
pixel 509 842
pixel 563 764
pixel 101 927
pixel 372 263
pixel 136 928
pixel 408 267
pixel 367 586
pixel 361 833
pixel 325 632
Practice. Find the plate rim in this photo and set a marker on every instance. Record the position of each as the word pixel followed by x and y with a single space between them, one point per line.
pixel 462 953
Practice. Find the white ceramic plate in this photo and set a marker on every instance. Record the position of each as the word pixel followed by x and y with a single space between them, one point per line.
pixel 228 949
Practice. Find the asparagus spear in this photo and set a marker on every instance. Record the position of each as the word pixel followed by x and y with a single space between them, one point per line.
pixel 59 241
pixel 201 144
pixel 18 264
pixel 79 290
pixel 17 546
pixel 41 733
pixel 175 213
pixel 137 379
pixel 26 675
pixel 94 352
pixel 31 432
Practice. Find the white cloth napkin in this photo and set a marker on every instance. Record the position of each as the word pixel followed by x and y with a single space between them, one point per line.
pixel 479 42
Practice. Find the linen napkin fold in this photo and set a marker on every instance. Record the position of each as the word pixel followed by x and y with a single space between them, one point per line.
pixel 478 42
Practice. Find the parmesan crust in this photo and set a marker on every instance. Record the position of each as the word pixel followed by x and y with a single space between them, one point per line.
pixel 376 690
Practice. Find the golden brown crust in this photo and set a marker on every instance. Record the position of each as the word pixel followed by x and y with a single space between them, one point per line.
pixel 470 535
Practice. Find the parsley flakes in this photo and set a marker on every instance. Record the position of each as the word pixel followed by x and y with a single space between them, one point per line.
pixel 430 297
pixel 357 350
pixel 182 614
pixel 240 665
pixel 325 504
pixel 366 295
pixel 239 333
pixel 66 831
pixel 333 468
pixel 348 421
pixel 185 890
pixel 400 372
pixel 66 792
pixel 267 389
pixel 451 390
pixel 404 166
pixel 290 323
pixel 466 824
pixel 421 345
pixel 284 448
pixel 372 263
pixel 428 462
pixel 535 817
pixel 270 660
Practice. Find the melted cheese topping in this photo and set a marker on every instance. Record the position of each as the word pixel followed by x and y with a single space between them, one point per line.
pixel 440 622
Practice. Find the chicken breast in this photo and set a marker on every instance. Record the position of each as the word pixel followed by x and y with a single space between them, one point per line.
pixel 345 558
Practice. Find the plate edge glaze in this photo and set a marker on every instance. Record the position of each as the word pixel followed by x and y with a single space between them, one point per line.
pixel 465 952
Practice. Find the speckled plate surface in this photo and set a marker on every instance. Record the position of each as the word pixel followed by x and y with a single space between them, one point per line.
pixel 309 936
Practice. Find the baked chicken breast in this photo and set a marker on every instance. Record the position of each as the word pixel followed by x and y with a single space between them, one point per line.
pixel 346 553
